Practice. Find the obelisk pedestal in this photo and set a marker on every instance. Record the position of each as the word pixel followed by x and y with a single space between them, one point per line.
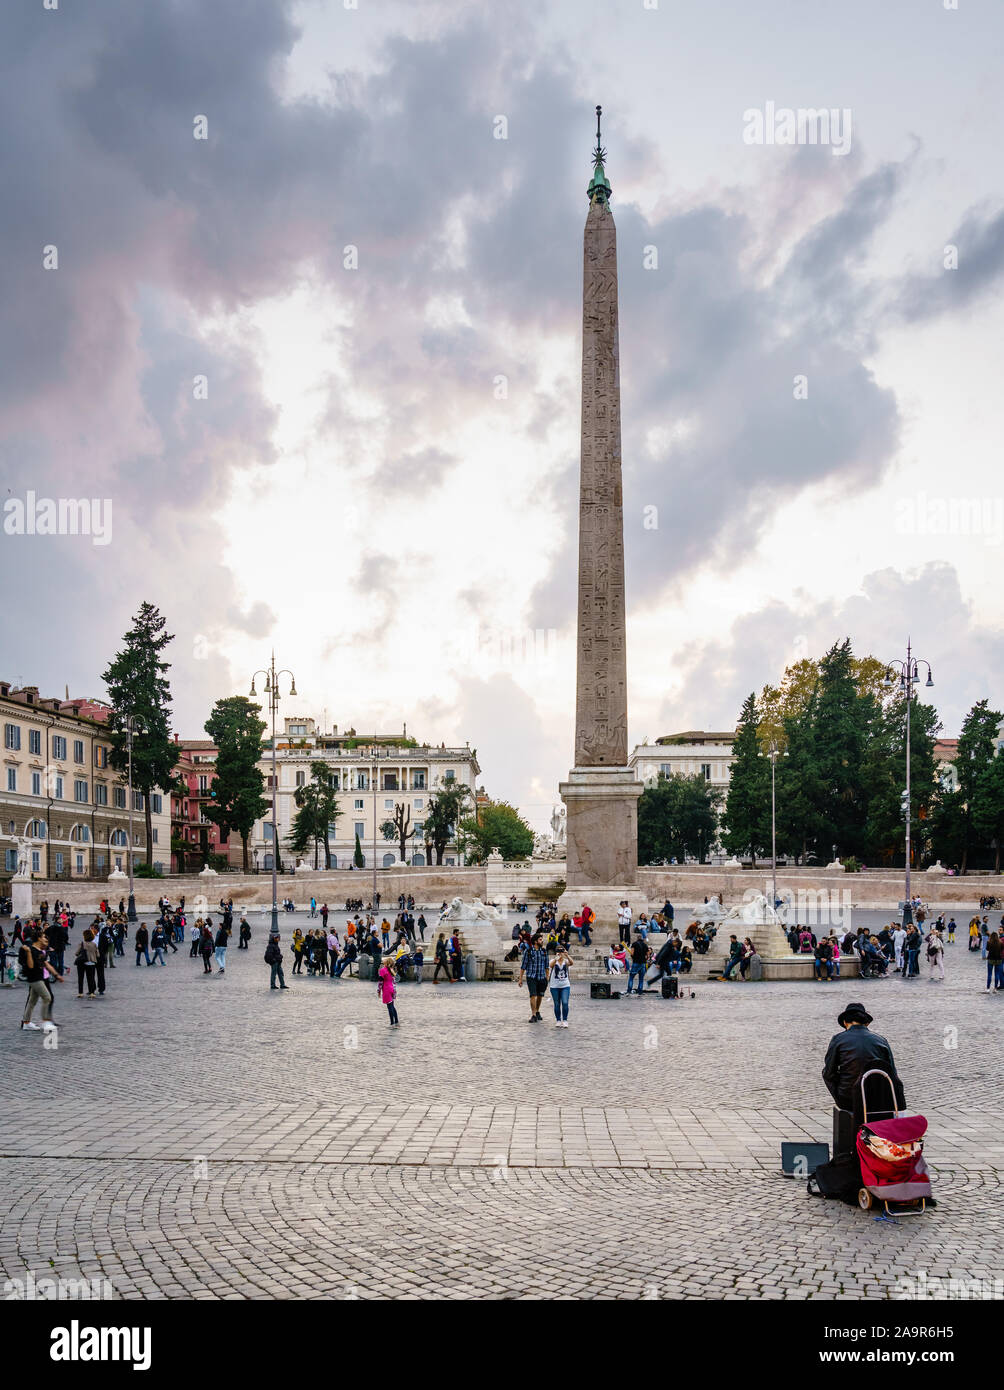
pixel 602 792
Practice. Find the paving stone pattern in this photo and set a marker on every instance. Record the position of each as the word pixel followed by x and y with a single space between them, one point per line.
pixel 203 1137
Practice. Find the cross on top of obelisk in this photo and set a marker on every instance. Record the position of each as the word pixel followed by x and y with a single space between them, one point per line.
pixel 599 185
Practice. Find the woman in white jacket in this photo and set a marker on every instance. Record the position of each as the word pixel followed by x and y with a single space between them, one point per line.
pixel 936 954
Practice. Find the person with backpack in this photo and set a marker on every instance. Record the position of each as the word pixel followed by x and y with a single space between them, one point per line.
pixel 935 954
pixel 243 933
pixel 206 945
pixel 457 959
pixel 639 962
pixel 220 945
pixel 141 941
pixel 273 958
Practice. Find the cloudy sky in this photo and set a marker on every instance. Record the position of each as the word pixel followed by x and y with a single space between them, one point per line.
pixel 324 362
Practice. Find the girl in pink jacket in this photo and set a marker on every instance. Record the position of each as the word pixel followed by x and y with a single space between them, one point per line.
pixel 387 990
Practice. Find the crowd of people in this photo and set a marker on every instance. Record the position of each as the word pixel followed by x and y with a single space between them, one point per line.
pixel 649 947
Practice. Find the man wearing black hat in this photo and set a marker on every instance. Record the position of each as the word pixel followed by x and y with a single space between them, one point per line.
pixel 852 1052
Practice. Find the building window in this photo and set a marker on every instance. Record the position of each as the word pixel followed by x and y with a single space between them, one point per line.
pixel 120 798
pixel 36 784
pixel 80 863
pixel 419 803
pixel 100 794
pixel 267 830
pixel 36 830
pixel 270 782
pixel 35 742
pixel 118 837
pixel 11 860
pixel 358 805
pixel 82 833
pixel 203 782
pixel 298 729
pixel 59 747
pixel 418 827
pixel 59 861
pixel 301 778
pixel 99 862
pixel 450 774
pixel 333 781
pixel 388 805
pixel 360 828
pixel 78 750
pixel 57 788
pixel 418 781
pixel 100 755
pixel 156 836
pixel 137 801
pixel 12 737
pixel 80 791
pixel 706 771
pixel 12 779
pixel 389 782
pixel 157 803
pixel 36 861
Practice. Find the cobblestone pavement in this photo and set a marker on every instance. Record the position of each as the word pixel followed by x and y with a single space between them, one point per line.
pixel 201 1136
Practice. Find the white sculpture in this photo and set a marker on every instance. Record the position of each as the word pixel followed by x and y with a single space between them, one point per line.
pixel 711 911
pixel 558 826
pixel 24 857
pixel 476 911
pixel 755 911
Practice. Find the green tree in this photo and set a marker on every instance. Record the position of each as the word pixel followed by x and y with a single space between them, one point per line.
pixel 399 828
pixel 884 779
pixel 747 807
pixel 976 752
pixel 677 816
pixel 797 791
pixel 790 699
pixel 137 685
pixel 500 825
pixel 237 798
pixel 840 734
pixel 443 814
pixel 317 814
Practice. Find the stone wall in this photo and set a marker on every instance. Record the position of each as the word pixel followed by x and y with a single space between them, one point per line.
pixel 428 886
pixel 877 890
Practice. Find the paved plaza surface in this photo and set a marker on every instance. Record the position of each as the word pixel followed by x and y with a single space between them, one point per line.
pixel 203 1137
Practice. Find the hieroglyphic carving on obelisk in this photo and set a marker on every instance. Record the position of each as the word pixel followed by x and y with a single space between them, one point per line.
pixel 601 683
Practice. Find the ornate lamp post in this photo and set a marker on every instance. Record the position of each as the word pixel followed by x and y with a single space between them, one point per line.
pixel 908 673
pixel 772 753
pixel 272 691
pixel 131 725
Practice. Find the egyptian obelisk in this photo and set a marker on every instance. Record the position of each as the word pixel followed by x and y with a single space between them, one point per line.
pixel 601 793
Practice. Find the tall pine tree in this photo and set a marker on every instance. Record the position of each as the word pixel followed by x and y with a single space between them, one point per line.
pixel 747 807
pixel 237 790
pixel 137 685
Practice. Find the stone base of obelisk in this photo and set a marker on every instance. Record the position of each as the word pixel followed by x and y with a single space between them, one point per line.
pixel 602 840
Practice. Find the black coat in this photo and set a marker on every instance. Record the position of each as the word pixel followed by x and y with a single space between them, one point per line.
pixel 852 1052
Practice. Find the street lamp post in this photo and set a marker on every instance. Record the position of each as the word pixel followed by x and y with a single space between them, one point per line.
pixel 272 691
pixel 131 724
pixel 772 754
pixel 376 785
pixel 909 674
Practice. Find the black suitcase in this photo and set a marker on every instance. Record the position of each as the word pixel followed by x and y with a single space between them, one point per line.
pixel 670 987
pixel 599 989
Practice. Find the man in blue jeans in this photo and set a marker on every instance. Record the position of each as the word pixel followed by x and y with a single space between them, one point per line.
pixel 639 962
pixel 735 956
